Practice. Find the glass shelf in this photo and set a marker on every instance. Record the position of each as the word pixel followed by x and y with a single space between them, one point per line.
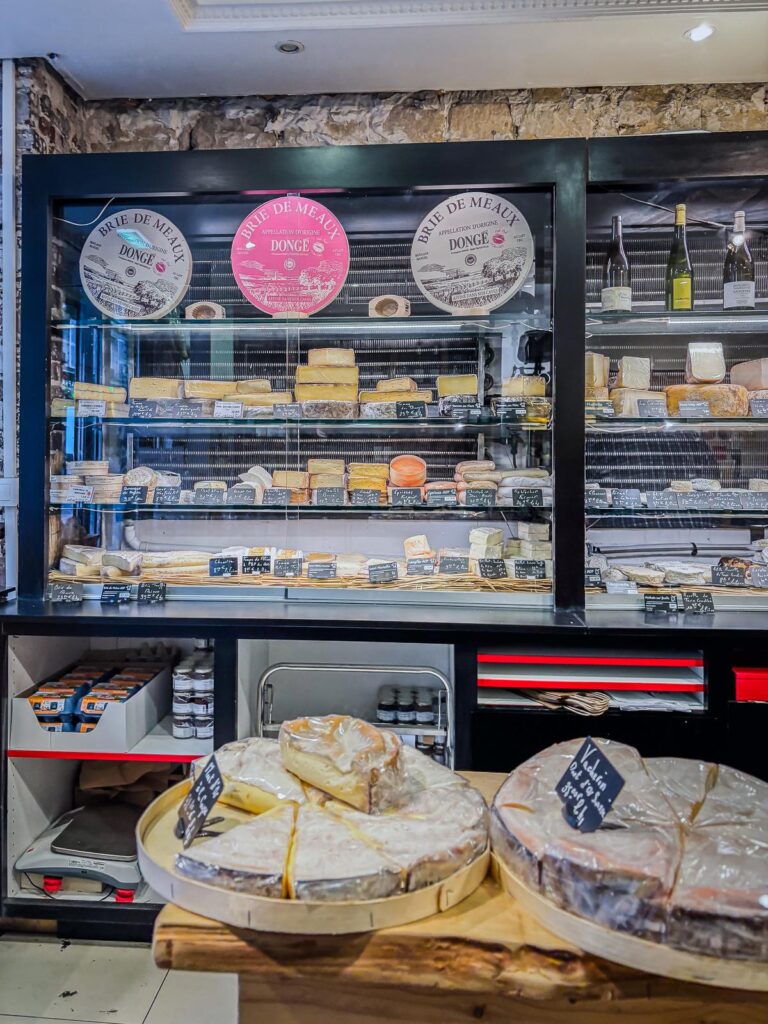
pixel 714 321
pixel 619 424
pixel 430 423
pixel 265 511
pixel 751 515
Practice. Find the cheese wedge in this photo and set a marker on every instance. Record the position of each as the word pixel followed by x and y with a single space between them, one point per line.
pixel 752 375
pixel 327 375
pixel 397 396
pixel 524 384
pixel 252 857
pixel 78 569
pixel 596 394
pixel 253 775
pixel 397 384
pixel 290 478
pixel 126 561
pixel 327 480
pixel 598 367
pixel 346 757
pixel 261 398
pixel 457 384
pixel 325 466
pixel 83 554
pixel 331 357
pixel 99 392
pixel 175 559
pixel 625 400
pixel 723 399
pixel 380 470
pixel 634 372
pixel 705 363
pixel 326 392
pixel 155 387
pixel 208 388
pixel 257 386
pixel 417 547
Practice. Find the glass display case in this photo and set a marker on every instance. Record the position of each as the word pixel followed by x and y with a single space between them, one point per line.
pixel 259 393
pixel 676 418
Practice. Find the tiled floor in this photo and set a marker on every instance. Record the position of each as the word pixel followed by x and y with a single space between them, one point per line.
pixel 50 980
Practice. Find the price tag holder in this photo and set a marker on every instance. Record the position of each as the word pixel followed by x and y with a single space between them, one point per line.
pixel 731 499
pixel 228 410
pixel 286 411
pixel 222 566
pixel 442 499
pixel 209 496
pixel 602 408
pixel 596 498
pixel 65 593
pixel 492 568
pixel 662 499
pixel 167 495
pixel 78 492
pixel 453 564
pixel 620 587
pixel 256 565
pixel 366 497
pixel 627 497
pixel 694 410
pixel 718 500
pixel 239 495
pixel 530 569
pixel 385 572
pixel 755 499
pixel 510 409
pixel 527 497
pixel 728 576
pixel 276 496
pixel 331 496
pixel 660 604
pixel 698 602
pixel 288 568
pixel 199 802
pixel 115 593
pixel 132 495
pixel 652 408
pixel 589 787
pixel 321 570
pixel 758 576
pixel 151 593
pixel 593 578
pixel 405 496
pixel 420 567
pixel 91 407
pixel 410 410
pixel 480 497
pixel 759 407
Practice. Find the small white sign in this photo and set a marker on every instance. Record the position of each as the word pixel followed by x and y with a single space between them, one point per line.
pixel 91 407
pixel 228 411
pixel 78 492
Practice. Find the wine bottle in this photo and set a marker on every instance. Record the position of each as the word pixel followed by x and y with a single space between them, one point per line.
pixel 738 269
pixel 679 285
pixel 617 277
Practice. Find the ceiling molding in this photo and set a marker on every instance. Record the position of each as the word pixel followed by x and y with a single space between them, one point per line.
pixel 267 15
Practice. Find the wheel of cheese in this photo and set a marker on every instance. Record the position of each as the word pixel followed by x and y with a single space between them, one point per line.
pixel 407 471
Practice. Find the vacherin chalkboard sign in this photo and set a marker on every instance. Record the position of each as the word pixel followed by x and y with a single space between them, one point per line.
pixel 199 801
pixel 589 787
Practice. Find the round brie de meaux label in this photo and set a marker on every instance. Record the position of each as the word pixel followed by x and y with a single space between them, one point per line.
pixel 472 252
pixel 135 265
pixel 290 255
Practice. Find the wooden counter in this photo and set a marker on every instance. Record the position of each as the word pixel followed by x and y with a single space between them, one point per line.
pixel 483 960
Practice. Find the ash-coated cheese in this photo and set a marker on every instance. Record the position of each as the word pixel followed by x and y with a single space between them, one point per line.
pixel 723 399
pixel 331 357
pixel 598 367
pixel 634 372
pixel 753 374
pixel 457 384
pixel 327 375
pixel 704 363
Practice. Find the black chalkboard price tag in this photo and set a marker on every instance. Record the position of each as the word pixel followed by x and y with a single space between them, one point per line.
pixel 492 568
pixel 276 496
pixel 651 408
pixel 593 578
pixel 758 576
pixel 660 604
pixel 689 499
pixel 480 497
pixel 755 499
pixel 662 499
pixel 288 567
pixel 65 593
pixel 694 410
pixel 240 496
pixel 759 407
pixel 132 495
pixel 410 410
pixel 369 496
pixel 405 496
pixel 527 497
pixel 453 564
pixel 199 801
pixel 222 566
pixel 167 495
pixel 209 496
pixel 385 572
pixel 420 567
pixel 627 497
pixel 287 411
pixel 151 593
pixel 731 499
pixel 530 569
pixel 713 500
pixel 321 570
pixel 115 593
pixel 442 498
pixel 698 602
pixel 256 565
pixel 589 787
pixel 596 497
pixel 330 496
pixel 728 576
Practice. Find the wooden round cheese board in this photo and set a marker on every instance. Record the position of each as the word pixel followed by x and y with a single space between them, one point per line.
pixel 629 950
pixel 157 848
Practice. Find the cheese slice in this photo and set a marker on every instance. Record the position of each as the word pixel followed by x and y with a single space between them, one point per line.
pixel 155 387
pixel 329 862
pixel 256 386
pixel 327 375
pixel 345 757
pixel 625 400
pixel 99 392
pixel 325 392
pixel 325 466
pixel 752 375
pixel 253 775
pixel 634 372
pixel 457 384
pixel 524 384
pixel 290 478
pixel 397 396
pixel 396 384
pixel 252 857
pixel 83 553
pixel 598 368
pixel 704 363
pixel 331 357
pixel 724 399
pixel 327 480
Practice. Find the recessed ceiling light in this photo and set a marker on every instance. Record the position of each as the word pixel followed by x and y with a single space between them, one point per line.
pixel 699 33
pixel 290 46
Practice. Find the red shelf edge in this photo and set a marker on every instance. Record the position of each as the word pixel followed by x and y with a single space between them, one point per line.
pixel 82 755
pixel 575 659
pixel 606 685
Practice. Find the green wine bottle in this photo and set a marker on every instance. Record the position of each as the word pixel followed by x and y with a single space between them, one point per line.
pixel 679 284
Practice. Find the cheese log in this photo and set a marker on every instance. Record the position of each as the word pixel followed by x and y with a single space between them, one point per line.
pixel 325 466
pixel 380 470
pixel 724 399
pixel 265 398
pixel 486 535
pixel 625 399
pixel 523 385
pixel 83 554
pixel 457 384
pixel 397 384
pixel 634 372
pixel 257 386
pixel 290 478
pixel 704 363
pixel 331 357
pixel 598 368
pixel 752 375
pixel 596 394
pixel 397 396
pixel 327 480
pixel 155 387
pixel 327 375
pixel 99 392
pixel 416 547
pixel 346 757
pixel 126 561
pixel 332 392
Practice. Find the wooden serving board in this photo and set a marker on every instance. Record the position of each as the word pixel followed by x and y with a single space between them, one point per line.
pixel 629 950
pixel 158 846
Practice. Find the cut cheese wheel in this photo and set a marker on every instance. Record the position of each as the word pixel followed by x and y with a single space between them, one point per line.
pixel 331 357
pixel 256 386
pixel 625 400
pixel 752 375
pixel 598 367
pixel 126 561
pixel 334 392
pixel 290 478
pixel 397 384
pixel 155 387
pixel 380 470
pixel 325 466
pixel 208 388
pixel 327 375
pixel 634 372
pixel 78 569
pixel 83 554
pixel 407 471
pixel 704 363
pixel 524 384
pixel 265 398
pixel 723 399
pixel 99 392
pixel 397 396
pixel 457 384
pixel 141 476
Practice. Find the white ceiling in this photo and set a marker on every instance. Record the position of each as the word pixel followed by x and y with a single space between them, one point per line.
pixel 156 48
